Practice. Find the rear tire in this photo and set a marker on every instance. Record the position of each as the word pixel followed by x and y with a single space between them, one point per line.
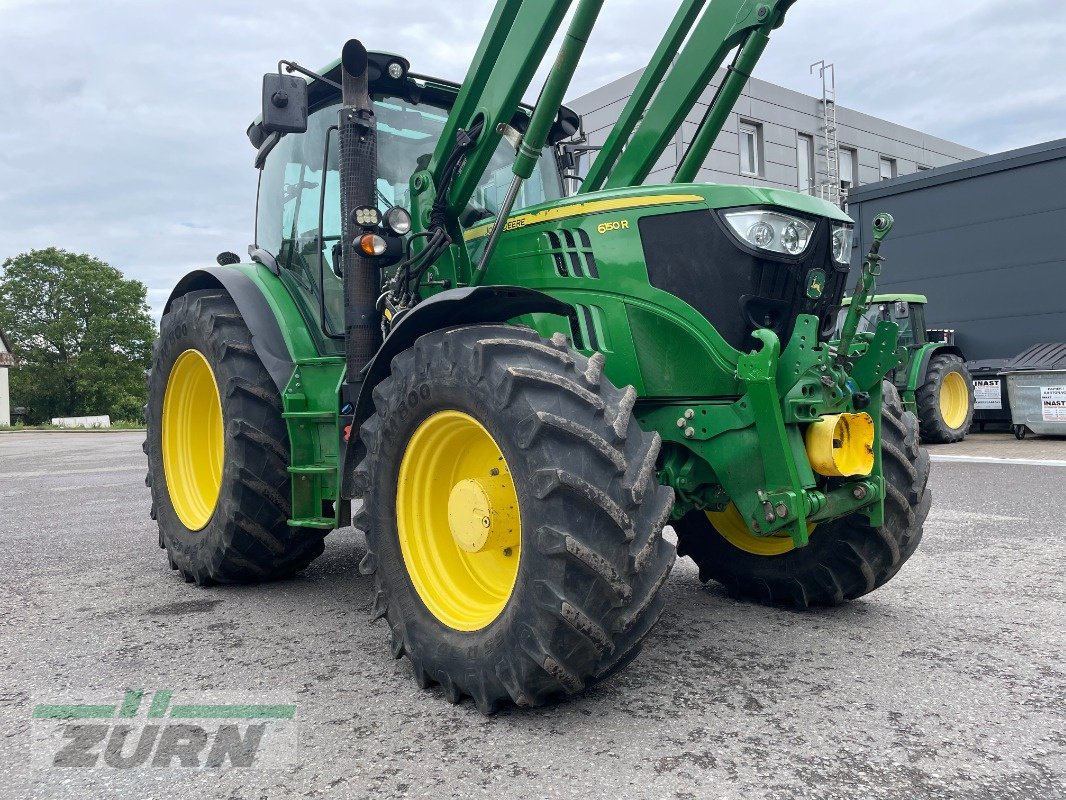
pixel 591 557
pixel 246 539
pixel 945 401
pixel 846 558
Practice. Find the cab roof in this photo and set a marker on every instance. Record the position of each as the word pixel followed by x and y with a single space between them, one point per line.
pixel 415 88
pixel 892 298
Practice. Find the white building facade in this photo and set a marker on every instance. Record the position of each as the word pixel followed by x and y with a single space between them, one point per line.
pixel 777 137
pixel 7 360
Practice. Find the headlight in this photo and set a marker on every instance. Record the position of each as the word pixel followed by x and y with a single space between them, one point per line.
pixel 398 220
pixel 771 230
pixel 842 244
pixel 366 216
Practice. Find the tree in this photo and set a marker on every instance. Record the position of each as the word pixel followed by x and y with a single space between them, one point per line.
pixel 82 334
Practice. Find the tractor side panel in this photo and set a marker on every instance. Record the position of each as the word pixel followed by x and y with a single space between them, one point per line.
pixel 594 263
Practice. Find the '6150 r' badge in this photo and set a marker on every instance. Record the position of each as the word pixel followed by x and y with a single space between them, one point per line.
pixel 815 283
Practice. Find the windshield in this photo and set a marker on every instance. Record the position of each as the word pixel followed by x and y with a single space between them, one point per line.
pixel 909 318
pixel 291 195
pixel 407 135
pixel 867 322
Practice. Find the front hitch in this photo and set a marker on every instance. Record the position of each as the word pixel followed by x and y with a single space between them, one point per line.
pixel 864 288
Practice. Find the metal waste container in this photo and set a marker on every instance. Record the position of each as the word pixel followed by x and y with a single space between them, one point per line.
pixel 990 402
pixel 1036 387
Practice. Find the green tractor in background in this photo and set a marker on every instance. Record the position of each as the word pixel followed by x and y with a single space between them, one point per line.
pixel 932 379
pixel 517 391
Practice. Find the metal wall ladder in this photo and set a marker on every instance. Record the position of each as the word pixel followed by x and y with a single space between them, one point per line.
pixel 829 188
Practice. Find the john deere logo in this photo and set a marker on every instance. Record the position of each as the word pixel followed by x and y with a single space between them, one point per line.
pixel 815 283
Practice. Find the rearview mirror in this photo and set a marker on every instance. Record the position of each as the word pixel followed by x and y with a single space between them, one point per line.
pixel 901 310
pixel 284 103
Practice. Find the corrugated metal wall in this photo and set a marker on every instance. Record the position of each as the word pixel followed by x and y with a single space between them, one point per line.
pixel 985 240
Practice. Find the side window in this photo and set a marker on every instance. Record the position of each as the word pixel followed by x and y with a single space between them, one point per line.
pixel 918 323
pixel 290 195
pixel 542 185
pixel 805 162
pixel 874 314
pixel 903 316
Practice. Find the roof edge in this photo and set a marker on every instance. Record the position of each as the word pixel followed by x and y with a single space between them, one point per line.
pixel 5 361
pixel 961 170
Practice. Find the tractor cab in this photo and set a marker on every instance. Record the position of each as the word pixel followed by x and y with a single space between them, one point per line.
pixel 298 214
pixel 906 310
pixel 932 377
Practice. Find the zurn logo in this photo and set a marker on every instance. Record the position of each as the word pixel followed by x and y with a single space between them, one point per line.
pixel 139 729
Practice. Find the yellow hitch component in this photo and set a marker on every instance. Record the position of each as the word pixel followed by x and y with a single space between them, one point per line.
pixel 841 445
pixel 458 520
pixel 192 437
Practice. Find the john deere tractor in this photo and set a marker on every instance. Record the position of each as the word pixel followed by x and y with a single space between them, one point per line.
pixel 518 391
pixel 932 378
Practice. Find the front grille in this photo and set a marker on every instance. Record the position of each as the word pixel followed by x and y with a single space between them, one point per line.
pixel 693 256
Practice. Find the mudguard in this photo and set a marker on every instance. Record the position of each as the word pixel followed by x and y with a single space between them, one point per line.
pixel 919 364
pixel 473 305
pixel 267 338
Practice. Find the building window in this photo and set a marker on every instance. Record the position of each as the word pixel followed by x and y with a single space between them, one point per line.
pixel 888 168
pixel 750 148
pixel 805 162
pixel 847 168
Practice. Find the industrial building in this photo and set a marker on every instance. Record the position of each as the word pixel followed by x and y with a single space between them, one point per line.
pixel 785 139
pixel 7 360
pixel 982 239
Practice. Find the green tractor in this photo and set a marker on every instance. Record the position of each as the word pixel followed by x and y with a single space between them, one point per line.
pixel 517 391
pixel 932 378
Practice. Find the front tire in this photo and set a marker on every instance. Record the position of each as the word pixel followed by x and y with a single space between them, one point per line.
pixel 845 558
pixel 218 450
pixel 945 400
pixel 554 582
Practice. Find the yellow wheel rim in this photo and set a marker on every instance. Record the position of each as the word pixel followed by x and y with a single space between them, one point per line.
pixel 458 520
pixel 731 526
pixel 954 400
pixel 193 443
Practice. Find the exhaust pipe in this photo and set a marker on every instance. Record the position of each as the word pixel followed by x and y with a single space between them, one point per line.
pixel 358 184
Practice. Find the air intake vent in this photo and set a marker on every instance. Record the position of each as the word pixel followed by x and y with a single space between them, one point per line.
pixel 572 253
pixel 586 329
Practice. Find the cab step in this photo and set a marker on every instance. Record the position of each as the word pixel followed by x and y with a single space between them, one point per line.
pixel 325 523
pixel 312 469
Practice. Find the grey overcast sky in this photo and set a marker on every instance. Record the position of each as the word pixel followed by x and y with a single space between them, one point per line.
pixel 124 124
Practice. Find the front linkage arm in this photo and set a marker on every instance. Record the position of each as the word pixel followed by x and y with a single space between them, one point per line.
pixel 864 288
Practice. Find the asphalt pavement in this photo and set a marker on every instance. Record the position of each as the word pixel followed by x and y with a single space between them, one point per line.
pixel 949 682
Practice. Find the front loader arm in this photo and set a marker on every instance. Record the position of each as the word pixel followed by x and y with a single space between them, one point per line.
pixel 647 126
pixel 514 43
pixel 511 49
